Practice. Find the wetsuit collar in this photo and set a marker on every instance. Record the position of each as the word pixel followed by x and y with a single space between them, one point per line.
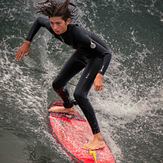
pixel 68 29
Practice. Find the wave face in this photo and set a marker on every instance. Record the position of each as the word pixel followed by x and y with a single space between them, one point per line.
pixel 129 109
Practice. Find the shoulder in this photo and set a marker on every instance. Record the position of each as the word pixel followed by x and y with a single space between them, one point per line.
pixel 80 35
pixel 42 19
pixel 44 22
pixel 78 32
pixel 77 28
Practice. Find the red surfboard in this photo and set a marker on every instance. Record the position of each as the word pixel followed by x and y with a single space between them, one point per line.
pixel 72 131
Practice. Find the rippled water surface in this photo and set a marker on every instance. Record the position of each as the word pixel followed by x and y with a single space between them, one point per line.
pixel 129 109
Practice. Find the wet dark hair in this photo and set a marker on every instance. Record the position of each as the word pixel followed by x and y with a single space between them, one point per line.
pixel 51 8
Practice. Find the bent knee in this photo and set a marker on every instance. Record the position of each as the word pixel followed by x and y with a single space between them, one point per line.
pixel 56 85
pixel 79 96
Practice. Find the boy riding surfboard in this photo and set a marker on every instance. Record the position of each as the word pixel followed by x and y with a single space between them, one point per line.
pixel 91 55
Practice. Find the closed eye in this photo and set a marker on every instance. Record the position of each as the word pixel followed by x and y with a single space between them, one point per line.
pixel 58 23
pixel 51 23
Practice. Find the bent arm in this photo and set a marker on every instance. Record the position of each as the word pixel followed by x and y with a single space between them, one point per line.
pixel 40 22
pixel 99 80
pixel 106 63
pixel 84 40
pixel 24 49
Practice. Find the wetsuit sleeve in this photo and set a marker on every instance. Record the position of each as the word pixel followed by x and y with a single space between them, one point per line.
pixel 105 64
pixel 40 22
pixel 84 40
pixel 100 50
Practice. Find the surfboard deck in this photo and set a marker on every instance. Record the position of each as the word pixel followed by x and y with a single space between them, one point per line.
pixel 72 131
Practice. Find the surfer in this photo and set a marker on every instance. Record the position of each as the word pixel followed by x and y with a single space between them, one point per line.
pixel 91 55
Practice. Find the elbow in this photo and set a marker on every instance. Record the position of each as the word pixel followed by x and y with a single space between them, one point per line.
pixel 38 20
pixel 108 54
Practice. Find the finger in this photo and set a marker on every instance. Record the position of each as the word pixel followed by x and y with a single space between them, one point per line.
pixel 101 88
pixel 26 53
pixel 18 53
pixel 96 88
pixel 19 56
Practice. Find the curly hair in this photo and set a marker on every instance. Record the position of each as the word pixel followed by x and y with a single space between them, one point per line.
pixel 51 8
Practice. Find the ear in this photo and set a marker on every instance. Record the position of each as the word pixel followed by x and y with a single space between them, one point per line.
pixel 68 21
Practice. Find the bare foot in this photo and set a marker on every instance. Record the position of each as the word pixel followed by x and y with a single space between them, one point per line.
pixel 61 109
pixel 97 143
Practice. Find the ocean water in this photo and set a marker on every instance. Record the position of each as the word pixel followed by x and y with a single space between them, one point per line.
pixel 129 109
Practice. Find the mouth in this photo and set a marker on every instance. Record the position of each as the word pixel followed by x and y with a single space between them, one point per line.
pixel 57 32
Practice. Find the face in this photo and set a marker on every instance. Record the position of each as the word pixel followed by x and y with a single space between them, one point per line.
pixel 59 25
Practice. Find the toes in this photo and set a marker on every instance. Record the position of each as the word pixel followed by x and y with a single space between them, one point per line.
pixel 93 146
pixel 55 109
pixel 86 146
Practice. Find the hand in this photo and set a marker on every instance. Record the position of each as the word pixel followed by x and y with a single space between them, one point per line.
pixel 23 50
pixel 99 82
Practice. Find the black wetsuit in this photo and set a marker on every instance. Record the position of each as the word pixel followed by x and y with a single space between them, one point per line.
pixel 91 54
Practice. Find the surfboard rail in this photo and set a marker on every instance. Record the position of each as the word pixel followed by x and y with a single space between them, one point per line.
pixel 72 131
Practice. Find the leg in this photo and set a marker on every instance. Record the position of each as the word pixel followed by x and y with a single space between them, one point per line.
pixel 71 68
pixel 80 95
